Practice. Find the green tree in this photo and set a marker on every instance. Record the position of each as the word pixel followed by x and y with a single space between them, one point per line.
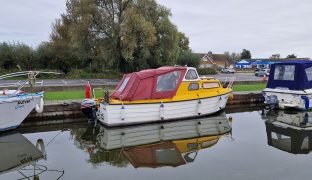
pixel 64 56
pixel 188 58
pixel 245 54
pixel 45 56
pixel 13 54
pixel 117 34
pixel 24 56
pixel 7 60
pixel 291 56
pixel 183 42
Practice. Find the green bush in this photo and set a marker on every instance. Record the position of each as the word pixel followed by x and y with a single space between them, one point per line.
pixel 206 71
pixel 75 74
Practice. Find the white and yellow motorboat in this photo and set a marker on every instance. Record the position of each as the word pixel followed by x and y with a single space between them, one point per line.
pixel 163 94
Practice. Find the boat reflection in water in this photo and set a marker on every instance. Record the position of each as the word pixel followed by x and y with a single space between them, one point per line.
pixel 155 145
pixel 290 131
pixel 20 155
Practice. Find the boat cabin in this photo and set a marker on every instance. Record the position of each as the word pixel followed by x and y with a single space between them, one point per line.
pixel 163 83
pixel 291 75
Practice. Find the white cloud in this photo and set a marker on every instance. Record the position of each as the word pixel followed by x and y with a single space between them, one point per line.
pixel 28 21
pixel 265 27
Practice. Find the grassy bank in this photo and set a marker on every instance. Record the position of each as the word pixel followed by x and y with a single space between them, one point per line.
pixel 69 95
pixel 249 87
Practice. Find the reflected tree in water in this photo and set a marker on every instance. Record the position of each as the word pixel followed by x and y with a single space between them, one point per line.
pixel 85 139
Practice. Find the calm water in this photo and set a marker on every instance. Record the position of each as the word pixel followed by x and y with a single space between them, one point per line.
pixel 271 146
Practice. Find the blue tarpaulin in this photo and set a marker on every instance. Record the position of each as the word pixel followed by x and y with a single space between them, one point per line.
pixel 300 80
pixel 262 63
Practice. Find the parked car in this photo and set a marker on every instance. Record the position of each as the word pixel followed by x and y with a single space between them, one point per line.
pixel 262 72
pixel 228 70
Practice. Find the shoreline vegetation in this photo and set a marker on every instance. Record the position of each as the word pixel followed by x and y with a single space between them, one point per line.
pixel 86 74
pixel 80 94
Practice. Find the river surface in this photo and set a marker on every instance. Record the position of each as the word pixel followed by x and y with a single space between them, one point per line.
pixel 247 145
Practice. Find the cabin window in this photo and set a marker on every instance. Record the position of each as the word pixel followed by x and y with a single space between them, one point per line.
pixel 309 73
pixel 167 156
pixel 168 82
pixel 284 72
pixel 211 85
pixel 123 85
pixel 191 74
pixel 193 86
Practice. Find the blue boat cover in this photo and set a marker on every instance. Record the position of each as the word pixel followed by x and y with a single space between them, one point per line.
pixel 298 81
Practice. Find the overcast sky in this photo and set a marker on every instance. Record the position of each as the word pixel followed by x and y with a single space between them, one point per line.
pixel 264 27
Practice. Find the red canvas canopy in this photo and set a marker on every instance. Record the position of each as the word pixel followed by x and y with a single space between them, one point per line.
pixel 154 156
pixel 149 84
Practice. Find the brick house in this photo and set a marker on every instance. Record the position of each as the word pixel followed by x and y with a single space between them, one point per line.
pixel 216 61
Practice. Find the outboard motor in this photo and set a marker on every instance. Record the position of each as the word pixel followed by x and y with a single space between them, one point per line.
pixel 88 107
pixel 271 101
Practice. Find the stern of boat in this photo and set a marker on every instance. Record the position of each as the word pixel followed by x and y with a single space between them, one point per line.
pixel 283 99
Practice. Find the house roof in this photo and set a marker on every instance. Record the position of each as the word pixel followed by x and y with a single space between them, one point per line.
pixel 221 57
pixel 200 54
pixel 242 62
pixel 215 58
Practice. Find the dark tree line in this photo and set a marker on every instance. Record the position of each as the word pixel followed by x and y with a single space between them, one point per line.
pixel 101 35
pixel 17 56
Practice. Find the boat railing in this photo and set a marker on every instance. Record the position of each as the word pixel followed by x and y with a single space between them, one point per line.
pixel 228 83
pixel 25 73
pixel 206 77
pixel 94 91
pixel 31 78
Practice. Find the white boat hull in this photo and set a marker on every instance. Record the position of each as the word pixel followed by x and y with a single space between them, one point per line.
pixel 289 99
pixel 13 110
pixel 116 115
pixel 17 152
pixel 113 138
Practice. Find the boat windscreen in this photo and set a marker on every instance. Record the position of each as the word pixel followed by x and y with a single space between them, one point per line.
pixel 308 72
pixel 123 84
pixel 284 72
pixel 168 81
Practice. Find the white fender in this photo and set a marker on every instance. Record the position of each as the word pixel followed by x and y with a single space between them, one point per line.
pixel 123 113
pixel 162 111
pixel 199 104
pixel 41 147
pixel 39 106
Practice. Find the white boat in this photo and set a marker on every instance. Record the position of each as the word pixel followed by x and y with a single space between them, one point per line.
pixel 154 145
pixel 289 131
pixel 162 94
pixel 14 109
pixel 290 85
pixel 15 105
pixel 113 138
pixel 18 152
